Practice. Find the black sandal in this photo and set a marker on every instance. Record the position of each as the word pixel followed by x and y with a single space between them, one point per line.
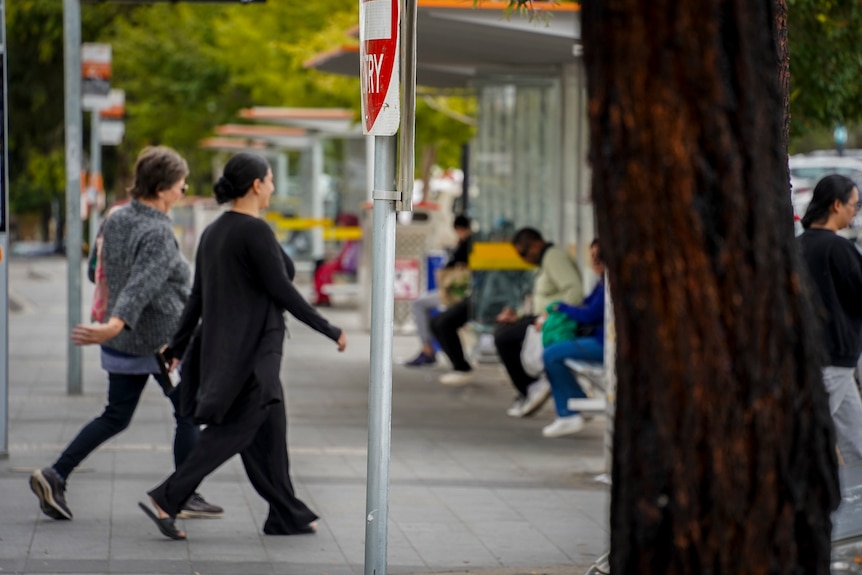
pixel 165 524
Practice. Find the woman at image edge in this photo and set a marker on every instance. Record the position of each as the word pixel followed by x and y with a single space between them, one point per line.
pixel 836 271
pixel 231 383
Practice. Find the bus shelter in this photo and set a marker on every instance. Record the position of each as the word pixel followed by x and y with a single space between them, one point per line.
pixel 528 161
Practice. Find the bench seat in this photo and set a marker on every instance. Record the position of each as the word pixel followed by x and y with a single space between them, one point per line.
pixel 593 382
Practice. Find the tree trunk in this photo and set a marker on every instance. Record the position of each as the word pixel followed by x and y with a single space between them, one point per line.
pixel 724 454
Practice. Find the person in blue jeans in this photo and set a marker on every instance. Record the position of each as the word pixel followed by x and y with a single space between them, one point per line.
pixel 590 316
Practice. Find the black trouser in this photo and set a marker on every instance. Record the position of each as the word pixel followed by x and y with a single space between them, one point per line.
pixel 445 328
pixel 259 435
pixel 509 339
pixel 124 392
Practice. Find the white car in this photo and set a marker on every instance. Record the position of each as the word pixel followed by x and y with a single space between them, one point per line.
pixel 806 171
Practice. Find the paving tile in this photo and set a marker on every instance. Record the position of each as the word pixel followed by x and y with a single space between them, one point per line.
pixel 470 488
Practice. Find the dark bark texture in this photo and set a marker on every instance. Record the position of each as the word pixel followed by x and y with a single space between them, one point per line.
pixel 724 459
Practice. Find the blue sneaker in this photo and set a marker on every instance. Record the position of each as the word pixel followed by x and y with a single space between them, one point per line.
pixel 421 359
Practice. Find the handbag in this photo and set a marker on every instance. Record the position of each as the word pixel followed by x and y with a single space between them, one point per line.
pixel 453 284
pixel 558 327
pixel 531 352
pixel 100 293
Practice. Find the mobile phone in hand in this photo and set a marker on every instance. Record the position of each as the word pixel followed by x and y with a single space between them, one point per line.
pixel 170 379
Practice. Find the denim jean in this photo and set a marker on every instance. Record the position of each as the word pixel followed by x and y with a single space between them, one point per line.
pixel 124 391
pixel 564 385
pixel 422 307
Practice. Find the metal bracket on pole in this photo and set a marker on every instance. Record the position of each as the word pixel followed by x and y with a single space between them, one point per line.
pixel 386 195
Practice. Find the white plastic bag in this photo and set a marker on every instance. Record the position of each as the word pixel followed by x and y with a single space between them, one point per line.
pixel 531 352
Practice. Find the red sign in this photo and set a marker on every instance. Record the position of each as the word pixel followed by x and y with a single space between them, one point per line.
pixel 379 66
pixel 407 279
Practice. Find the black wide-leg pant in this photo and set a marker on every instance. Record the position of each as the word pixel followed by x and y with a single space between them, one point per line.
pixel 259 435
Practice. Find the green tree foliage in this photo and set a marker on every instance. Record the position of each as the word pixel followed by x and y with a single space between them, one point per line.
pixel 825 63
pixel 35 90
pixel 186 68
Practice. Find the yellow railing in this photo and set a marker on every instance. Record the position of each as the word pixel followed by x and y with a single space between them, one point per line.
pixel 331 232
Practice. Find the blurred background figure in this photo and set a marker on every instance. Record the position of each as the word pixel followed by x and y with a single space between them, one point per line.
pixel 424 305
pixel 588 344
pixel 346 262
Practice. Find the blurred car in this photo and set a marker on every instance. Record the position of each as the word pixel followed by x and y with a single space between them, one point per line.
pixel 807 169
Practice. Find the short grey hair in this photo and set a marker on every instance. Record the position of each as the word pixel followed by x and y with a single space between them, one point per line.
pixel 157 168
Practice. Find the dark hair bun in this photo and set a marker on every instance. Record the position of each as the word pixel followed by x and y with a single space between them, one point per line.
pixel 240 173
pixel 224 190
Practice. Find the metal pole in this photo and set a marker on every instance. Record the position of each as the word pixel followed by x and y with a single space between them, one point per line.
pixel 4 250
pixel 281 175
pixel 380 385
pixel 318 250
pixel 72 61
pixel 407 133
pixel 369 166
pixel 95 176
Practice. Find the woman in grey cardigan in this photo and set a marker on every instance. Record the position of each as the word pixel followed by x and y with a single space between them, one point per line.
pixel 148 285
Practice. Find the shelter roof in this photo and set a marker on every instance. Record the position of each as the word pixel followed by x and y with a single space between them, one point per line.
pixel 328 121
pixel 455 41
pixel 231 144
pixel 286 137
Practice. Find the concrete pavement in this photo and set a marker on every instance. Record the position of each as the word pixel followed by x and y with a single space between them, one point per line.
pixel 472 490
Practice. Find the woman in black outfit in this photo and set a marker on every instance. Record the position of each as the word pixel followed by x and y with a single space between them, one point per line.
pixel 231 369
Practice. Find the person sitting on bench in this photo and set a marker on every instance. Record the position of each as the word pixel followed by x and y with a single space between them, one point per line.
pixel 425 304
pixel 558 279
pixel 564 385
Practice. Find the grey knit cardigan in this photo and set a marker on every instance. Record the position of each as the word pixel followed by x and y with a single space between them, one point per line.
pixel 148 278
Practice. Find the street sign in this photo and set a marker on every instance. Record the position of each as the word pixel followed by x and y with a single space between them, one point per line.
pixel 407 279
pixel 95 75
pixel 111 124
pixel 379 66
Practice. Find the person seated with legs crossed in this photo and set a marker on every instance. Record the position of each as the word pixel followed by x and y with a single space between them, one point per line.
pixel 425 304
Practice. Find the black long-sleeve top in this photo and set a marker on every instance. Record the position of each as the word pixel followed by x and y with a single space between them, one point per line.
pixel 836 270
pixel 242 285
pixel 461 255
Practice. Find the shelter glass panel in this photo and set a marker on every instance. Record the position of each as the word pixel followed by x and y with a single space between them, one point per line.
pixel 517 162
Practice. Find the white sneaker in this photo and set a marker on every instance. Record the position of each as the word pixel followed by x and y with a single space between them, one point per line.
pixel 516 407
pixel 457 378
pixel 564 426
pixel 538 393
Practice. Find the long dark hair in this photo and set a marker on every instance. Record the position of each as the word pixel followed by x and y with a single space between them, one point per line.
pixel 830 188
pixel 239 175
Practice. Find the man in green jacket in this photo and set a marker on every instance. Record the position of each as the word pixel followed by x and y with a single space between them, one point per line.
pixel 558 279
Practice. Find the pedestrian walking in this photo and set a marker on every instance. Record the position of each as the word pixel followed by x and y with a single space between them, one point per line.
pixel 835 268
pixel 231 336
pixel 148 281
